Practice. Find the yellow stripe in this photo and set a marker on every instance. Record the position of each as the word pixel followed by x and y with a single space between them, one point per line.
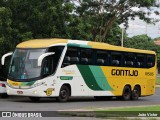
pixel 41 43
pixel 12 83
pixel 105 46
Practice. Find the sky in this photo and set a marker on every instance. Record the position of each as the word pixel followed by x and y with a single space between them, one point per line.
pixel 138 27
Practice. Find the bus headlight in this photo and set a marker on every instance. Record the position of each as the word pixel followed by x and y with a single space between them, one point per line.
pixel 35 92
pixel 37 84
pixel 8 91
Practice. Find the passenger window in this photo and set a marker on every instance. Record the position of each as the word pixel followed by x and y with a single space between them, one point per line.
pixel 116 58
pixel 140 61
pixel 71 57
pixel 129 59
pixel 86 56
pixel 150 61
pixel 102 58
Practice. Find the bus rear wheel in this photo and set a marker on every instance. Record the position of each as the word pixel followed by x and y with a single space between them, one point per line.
pixel 135 93
pixel 34 99
pixel 126 93
pixel 63 94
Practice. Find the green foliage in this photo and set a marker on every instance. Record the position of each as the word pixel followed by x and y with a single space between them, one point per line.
pixel 5 29
pixel 158 38
pixel 103 14
pixel 158 81
pixel 141 42
pixel 21 20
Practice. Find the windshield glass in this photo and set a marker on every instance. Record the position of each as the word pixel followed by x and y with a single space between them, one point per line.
pixel 24 64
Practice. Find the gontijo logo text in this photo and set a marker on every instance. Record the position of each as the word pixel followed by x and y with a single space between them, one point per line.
pixel 120 72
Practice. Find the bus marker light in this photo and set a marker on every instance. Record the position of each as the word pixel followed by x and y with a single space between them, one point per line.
pixel 2 85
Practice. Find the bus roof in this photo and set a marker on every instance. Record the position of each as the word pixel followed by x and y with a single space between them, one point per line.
pixel 44 43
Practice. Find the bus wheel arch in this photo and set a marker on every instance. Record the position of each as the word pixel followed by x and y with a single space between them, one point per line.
pixel 136 92
pixel 64 93
pixel 126 93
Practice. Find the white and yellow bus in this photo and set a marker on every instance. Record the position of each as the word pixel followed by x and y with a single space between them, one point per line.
pixel 62 68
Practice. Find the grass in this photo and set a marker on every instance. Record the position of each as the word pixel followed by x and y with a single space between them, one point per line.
pixel 146 108
pixel 127 112
pixel 158 81
pixel 118 113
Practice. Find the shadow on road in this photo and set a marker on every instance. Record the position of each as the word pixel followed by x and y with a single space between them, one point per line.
pixel 72 99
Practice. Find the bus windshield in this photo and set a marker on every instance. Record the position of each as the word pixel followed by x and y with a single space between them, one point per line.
pixel 24 64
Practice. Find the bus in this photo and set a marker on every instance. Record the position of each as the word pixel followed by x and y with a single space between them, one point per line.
pixel 62 68
pixel 3 92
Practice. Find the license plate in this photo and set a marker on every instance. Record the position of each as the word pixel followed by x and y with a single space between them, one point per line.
pixel 19 92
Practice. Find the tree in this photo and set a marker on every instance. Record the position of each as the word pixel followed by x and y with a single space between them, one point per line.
pixel 103 14
pixel 158 38
pixel 38 18
pixel 5 30
pixel 21 20
pixel 141 42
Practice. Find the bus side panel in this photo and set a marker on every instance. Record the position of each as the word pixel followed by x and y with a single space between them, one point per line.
pixel 70 75
pixel 86 80
pixel 118 77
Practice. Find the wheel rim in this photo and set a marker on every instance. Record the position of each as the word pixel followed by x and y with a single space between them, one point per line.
pixel 136 93
pixel 63 94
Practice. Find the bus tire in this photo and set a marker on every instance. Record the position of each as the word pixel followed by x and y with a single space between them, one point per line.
pixel 126 93
pixel 34 99
pixel 135 93
pixel 63 94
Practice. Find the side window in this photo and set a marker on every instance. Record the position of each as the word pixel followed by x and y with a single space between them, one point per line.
pixel 71 57
pixel 140 60
pixel 86 56
pixel 116 58
pixel 49 66
pixel 150 61
pixel 129 59
pixel 50 62
pixel 102 58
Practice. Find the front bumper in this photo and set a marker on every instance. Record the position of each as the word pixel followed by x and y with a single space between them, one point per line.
pixel 35 92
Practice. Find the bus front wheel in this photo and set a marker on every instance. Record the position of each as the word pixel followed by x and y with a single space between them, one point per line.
pixel 126 93
pixel 135 93
pixel 63 94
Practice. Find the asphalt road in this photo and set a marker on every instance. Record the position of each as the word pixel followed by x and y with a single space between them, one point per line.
pixel 46 104
pixel 24 104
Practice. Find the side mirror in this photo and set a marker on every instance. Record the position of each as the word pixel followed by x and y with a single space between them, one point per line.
pixel 41 57
pixel 4 56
